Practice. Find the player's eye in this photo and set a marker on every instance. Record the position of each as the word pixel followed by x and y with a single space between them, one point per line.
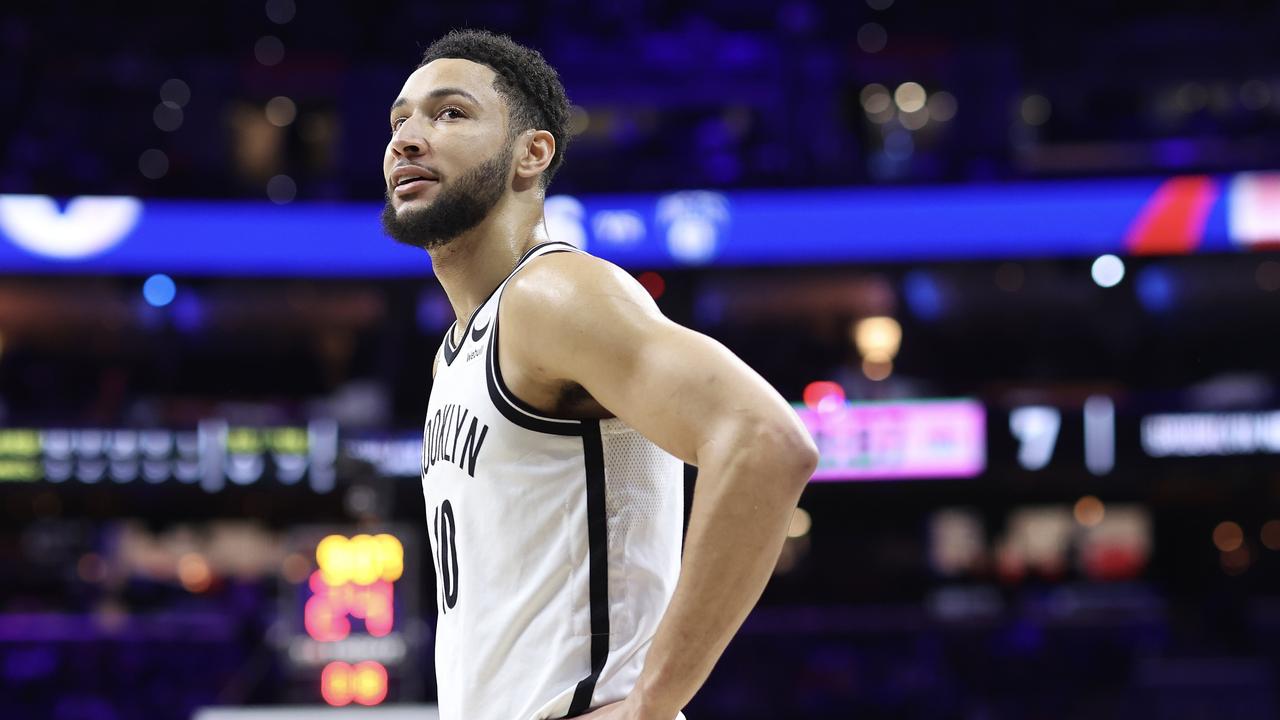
pixel 395 124
pixel 450 113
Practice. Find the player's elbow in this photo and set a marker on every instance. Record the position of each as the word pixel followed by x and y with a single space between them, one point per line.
pixel 789 450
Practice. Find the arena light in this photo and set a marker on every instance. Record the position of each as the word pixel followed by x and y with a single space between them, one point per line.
pixel 823 395
pixel 910 97
pixel 1089 511
pixel 801 523
pixel 1228 536
pixel 653 283
pixel 1107 271
pixel 878 338
pixel 159 290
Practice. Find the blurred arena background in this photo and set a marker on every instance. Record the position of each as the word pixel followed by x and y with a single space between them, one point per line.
pixel 1015 263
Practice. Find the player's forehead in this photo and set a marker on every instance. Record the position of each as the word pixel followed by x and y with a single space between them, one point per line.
pixel 452 73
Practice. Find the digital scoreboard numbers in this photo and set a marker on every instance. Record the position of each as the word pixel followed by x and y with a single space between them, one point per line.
pixel 1047 436
pixel 348 610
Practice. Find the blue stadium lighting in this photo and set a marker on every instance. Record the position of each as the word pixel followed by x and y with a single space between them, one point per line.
pixel 159 290
pixel 1156 289
pixel 924 297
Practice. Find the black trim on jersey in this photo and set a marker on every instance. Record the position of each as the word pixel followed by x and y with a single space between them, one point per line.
pixel 450 351
pixel 598 566
pixel 511 406
pixel 508 403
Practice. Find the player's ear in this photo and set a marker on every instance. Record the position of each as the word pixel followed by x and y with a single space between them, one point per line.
pixel 536 148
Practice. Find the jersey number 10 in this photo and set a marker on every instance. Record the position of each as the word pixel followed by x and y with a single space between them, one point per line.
pixel 446 552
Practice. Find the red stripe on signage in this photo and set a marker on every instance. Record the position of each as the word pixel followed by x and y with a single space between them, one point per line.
pixel 1173 220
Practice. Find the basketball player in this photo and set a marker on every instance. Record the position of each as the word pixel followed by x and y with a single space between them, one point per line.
pixel 562 407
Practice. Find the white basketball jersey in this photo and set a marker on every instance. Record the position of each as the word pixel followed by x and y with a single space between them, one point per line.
pixel 556 542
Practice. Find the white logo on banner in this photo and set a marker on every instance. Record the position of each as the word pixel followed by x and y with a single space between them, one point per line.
pixel 89 225
pixel 694 220
pixel 564 215
pixel 1253 213
pixel 618 227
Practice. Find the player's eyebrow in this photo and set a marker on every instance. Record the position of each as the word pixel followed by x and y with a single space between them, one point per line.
pixel 439 93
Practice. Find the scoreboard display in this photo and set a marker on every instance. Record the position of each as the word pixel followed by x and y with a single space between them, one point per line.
pixel 953 438
pixel 352 619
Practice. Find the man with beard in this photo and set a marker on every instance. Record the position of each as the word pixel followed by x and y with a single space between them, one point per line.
pixel 560 414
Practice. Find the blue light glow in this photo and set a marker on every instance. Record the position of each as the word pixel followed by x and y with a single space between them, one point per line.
pixel 924 297
pixel 1157 289
pixel 159 290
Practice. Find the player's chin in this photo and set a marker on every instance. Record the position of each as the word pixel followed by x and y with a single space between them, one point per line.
pixel 416 200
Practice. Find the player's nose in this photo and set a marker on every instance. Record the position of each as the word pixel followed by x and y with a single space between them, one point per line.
pixel 409 140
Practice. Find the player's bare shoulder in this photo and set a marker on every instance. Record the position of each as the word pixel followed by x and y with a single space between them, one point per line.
pixel 564 306
pixel 556 285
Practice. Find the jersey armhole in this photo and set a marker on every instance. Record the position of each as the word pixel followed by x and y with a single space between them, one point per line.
pixel 512 407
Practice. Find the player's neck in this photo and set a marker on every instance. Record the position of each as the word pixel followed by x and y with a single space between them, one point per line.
pixel 473 264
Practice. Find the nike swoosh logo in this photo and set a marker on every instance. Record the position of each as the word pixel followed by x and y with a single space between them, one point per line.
pixel 478 332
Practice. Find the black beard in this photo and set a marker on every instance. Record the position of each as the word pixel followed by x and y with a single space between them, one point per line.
pixel 460 206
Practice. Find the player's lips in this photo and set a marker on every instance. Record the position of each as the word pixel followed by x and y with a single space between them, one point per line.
pixel 409 179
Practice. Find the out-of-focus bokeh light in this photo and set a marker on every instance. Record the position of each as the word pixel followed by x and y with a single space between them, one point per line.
pixel 923 295
pixel 910 97
pixel 653 284
pixel 1228 536
pixel 877 338
pixel 153 164
pixel 1089 511
pixel 1236 561
pixel 877 370
pixel 1270 534
pixel 1156 289
pixel 872 37
pixel 194 572
pixel 269 50
pixel 281 189
pixel 942 106
pixel 281 11
pixel 159 290
pixel 167 116
pixel 823 395
pixel 1035 110
pixel 175 91
pixel 801 523
pixel 1107 271
pixel 281 111
pixel 875 99
pixel 914 120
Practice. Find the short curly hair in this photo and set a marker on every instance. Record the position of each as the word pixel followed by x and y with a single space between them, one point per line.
pixel 535 97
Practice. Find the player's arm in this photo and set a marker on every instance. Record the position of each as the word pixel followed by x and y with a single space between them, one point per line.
pixel 574 318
